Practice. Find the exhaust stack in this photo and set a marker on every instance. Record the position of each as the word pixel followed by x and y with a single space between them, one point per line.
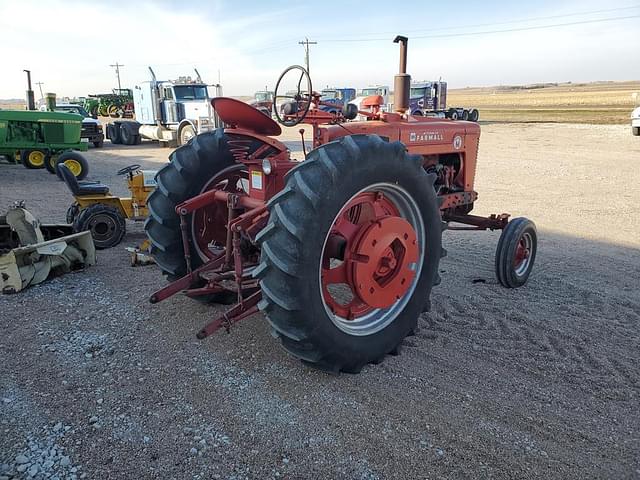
pixel 402 81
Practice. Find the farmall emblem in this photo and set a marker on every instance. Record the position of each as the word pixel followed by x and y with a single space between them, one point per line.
pixel 425 137
pixel 457 142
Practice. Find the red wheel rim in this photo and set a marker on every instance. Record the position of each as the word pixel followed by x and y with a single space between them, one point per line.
pixel 209 224
pixel 370 256
pixel 522 256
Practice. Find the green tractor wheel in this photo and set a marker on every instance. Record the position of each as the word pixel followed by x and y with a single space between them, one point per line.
pixel 34 158
pixel 113 111
pixel 75 162
pixel 103 111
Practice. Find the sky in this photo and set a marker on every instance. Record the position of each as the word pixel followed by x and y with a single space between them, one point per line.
pixel 69 45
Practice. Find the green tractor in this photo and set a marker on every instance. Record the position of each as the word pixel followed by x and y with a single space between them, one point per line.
pixel 43 140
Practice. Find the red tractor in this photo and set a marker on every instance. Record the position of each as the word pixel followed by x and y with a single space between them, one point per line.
pixel 340 251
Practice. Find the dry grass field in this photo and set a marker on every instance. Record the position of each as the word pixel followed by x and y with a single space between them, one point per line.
pixel 594 103
pixel 591 103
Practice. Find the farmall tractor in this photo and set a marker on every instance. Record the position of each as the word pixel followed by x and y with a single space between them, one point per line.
pixel 340 251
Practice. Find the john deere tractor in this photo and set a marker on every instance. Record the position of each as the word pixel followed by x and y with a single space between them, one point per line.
pixel 43 140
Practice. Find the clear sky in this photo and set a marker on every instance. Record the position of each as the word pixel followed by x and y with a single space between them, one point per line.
pixel 69 44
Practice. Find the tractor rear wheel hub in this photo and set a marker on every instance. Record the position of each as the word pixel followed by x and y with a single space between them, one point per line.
pixel 384 261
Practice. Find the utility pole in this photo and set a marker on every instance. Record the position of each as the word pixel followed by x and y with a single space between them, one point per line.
pixel 40 87
pixel 306 44
pixel 117 67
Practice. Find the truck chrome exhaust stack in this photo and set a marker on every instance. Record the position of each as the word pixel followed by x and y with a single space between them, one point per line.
pixel 402 81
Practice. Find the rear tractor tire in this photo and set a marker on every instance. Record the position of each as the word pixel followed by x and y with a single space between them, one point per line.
pixel 34 159
pixel 76 163
pixel 516 252
pixel 350 253
pixel 193 168
pixel 106 224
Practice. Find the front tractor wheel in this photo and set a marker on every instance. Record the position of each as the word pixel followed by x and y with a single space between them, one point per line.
pixel 516 252
pixel 106 224
pixel 350 253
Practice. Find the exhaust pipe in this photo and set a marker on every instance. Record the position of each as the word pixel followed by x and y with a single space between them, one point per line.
pixel 402 81
pixel 31 101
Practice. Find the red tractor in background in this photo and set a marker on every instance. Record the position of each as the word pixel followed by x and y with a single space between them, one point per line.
pixel 340 251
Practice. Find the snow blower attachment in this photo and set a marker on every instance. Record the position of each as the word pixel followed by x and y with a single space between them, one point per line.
pixel 30 252
pixel 339 251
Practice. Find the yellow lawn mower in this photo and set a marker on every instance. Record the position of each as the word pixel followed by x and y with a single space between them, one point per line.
pixel 103 214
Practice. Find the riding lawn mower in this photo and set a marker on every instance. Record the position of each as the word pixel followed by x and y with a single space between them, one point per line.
pixel 97 210
pixel 339 251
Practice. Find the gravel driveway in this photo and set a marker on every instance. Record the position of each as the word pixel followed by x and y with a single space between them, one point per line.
pixel 538 382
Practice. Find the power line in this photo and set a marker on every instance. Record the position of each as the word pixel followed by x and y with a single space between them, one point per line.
pixel 488 32
pixel 491 24
pixel 117 66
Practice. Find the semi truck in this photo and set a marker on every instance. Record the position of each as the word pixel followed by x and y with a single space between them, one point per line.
pixel 430 98
pixel 337 97
pixel 169 111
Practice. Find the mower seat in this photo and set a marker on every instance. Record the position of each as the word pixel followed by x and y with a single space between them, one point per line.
pixel 80 188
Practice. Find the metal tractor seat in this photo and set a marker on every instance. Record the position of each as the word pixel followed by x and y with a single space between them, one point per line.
pixel 81 188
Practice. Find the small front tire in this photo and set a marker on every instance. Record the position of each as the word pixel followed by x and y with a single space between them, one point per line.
pixel 516 252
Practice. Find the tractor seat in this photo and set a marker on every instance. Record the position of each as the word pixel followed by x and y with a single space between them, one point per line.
pixel 79 188
pixel 373 101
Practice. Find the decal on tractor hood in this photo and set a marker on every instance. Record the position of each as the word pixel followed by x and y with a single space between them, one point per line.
pixel 425 137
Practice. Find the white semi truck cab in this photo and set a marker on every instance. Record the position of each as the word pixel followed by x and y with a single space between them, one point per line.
pixel 170 111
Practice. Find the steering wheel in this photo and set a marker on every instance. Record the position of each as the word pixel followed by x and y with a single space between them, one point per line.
pixel 129 169
pixel 299 103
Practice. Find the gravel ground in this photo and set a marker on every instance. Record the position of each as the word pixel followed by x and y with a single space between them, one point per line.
pixel 539 382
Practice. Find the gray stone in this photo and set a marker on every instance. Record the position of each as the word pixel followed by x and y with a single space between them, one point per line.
pixel 57 427
pixel 20 459
pixel 193 451
pixel 64 461
pixel 93 419
pixel 22 468
pixel 33 470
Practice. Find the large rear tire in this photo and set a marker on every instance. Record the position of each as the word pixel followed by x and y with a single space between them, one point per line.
pixel 191 167
pixel 76 163
pixel 300 248
pixel 34 158
pixel 106 224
